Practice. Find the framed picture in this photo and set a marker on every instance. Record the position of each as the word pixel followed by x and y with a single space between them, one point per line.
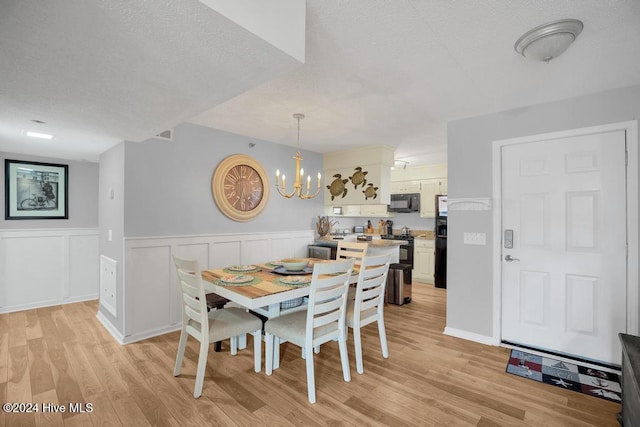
pixel 35 190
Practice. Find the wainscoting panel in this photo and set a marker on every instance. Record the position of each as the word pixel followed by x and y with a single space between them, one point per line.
pixel 148 289
pixel 254 250
pixel 152 298
pixel 226 252
pixel 84 265
pixel 46 267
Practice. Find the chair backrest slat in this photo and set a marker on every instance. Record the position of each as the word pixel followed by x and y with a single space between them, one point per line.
pixel 372 280
pixel 347 250
pixel 328 298
pixel 194 301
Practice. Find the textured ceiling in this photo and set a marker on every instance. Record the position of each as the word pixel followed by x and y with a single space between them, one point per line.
pixel 376 71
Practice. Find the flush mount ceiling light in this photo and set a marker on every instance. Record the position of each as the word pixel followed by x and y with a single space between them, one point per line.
pixel 39 135
pixel 400 163
pixel 548 41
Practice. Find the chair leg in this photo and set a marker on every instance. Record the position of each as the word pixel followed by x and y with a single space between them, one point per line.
pixel 202 366
pixel 217 346
pixel 276 352
pixel 357 343
pixel 268 349
pixel 242 341
pixel 383 337
pixel 257 350
pixel 181 347
pixel 344 356
pixel 234 345
pixel 311 380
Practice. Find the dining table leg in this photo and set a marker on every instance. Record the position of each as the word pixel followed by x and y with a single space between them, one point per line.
pixel 274 311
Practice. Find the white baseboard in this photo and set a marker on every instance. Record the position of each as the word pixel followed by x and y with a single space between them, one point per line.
pixel 49 303
pixel 110 328
pixel 150 334
pixel 470 336
pixel 122 340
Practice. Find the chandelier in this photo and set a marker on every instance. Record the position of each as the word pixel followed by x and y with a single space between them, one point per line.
pixel 297 186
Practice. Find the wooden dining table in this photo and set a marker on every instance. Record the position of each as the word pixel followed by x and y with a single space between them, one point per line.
pixel 263 295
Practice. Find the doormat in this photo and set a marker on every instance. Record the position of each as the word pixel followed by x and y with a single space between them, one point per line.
pixel 569 376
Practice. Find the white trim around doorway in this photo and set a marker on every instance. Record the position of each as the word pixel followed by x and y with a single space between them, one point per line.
pixel 631 130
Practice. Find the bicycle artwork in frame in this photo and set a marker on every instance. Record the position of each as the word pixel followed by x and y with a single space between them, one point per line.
pixel 35 190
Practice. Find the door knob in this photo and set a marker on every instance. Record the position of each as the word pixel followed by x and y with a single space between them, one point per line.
pixel 509 258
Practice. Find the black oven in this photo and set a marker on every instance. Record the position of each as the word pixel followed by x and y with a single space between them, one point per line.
pixel 406 249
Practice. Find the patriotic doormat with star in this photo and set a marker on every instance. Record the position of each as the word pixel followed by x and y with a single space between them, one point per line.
pixel 565 375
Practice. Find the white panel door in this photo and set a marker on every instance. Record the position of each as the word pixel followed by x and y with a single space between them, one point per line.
pixel 564 280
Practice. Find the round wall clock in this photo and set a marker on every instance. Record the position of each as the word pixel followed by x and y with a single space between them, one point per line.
pixel 240 187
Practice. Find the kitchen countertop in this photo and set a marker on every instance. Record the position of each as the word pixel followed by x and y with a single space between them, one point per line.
pixel 375 242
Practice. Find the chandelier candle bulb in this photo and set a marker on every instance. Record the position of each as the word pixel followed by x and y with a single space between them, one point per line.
pixel 298 189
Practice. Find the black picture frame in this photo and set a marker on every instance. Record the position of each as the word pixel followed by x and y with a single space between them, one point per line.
pixel 35 190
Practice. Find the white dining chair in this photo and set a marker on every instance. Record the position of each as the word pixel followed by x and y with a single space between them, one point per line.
pixel 212 326
pixel 214 301
pixel 352 250
pixel 355 250
pixel 323 321
pixel 368 305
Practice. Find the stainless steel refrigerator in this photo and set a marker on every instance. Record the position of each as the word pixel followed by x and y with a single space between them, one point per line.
pixel 440 273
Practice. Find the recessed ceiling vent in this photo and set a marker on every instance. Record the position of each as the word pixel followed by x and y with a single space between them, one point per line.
pixel 166 134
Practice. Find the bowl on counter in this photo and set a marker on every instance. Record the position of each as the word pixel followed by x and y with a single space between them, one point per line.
pixel 294 264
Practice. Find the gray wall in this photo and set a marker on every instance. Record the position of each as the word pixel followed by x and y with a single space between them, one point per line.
pixel 83 196
pixel 469 268
pixel 112 218
pixel 168 185
pixel 163 188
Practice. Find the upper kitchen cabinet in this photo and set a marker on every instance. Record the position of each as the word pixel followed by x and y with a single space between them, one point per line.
pixel 428 180
pixel 429 189
pixel 359 176
pixel 405 187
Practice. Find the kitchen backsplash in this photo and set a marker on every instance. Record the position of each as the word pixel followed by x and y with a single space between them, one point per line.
pixel 413 221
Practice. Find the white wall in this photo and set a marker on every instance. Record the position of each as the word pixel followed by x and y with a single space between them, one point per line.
pixel 151 296
pixel 43 267
pixel 469 267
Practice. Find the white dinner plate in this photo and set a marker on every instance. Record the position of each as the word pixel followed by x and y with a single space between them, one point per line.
pixel 241 268
pixel 296 280
pixel 236 278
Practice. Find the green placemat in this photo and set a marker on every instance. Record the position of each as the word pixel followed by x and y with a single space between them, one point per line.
pixel 255 281
pixel 277 281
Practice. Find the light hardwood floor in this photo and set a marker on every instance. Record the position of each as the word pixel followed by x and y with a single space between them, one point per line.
pixel 62 355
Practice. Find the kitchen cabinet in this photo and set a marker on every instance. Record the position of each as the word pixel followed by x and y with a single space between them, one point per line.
pixel 429 189
pixel 427 180
pixel 374 211
pixel 405 187
pixel 368 211
pixel 424 260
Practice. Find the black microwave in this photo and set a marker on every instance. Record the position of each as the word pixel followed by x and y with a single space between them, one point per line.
pixel 405 203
